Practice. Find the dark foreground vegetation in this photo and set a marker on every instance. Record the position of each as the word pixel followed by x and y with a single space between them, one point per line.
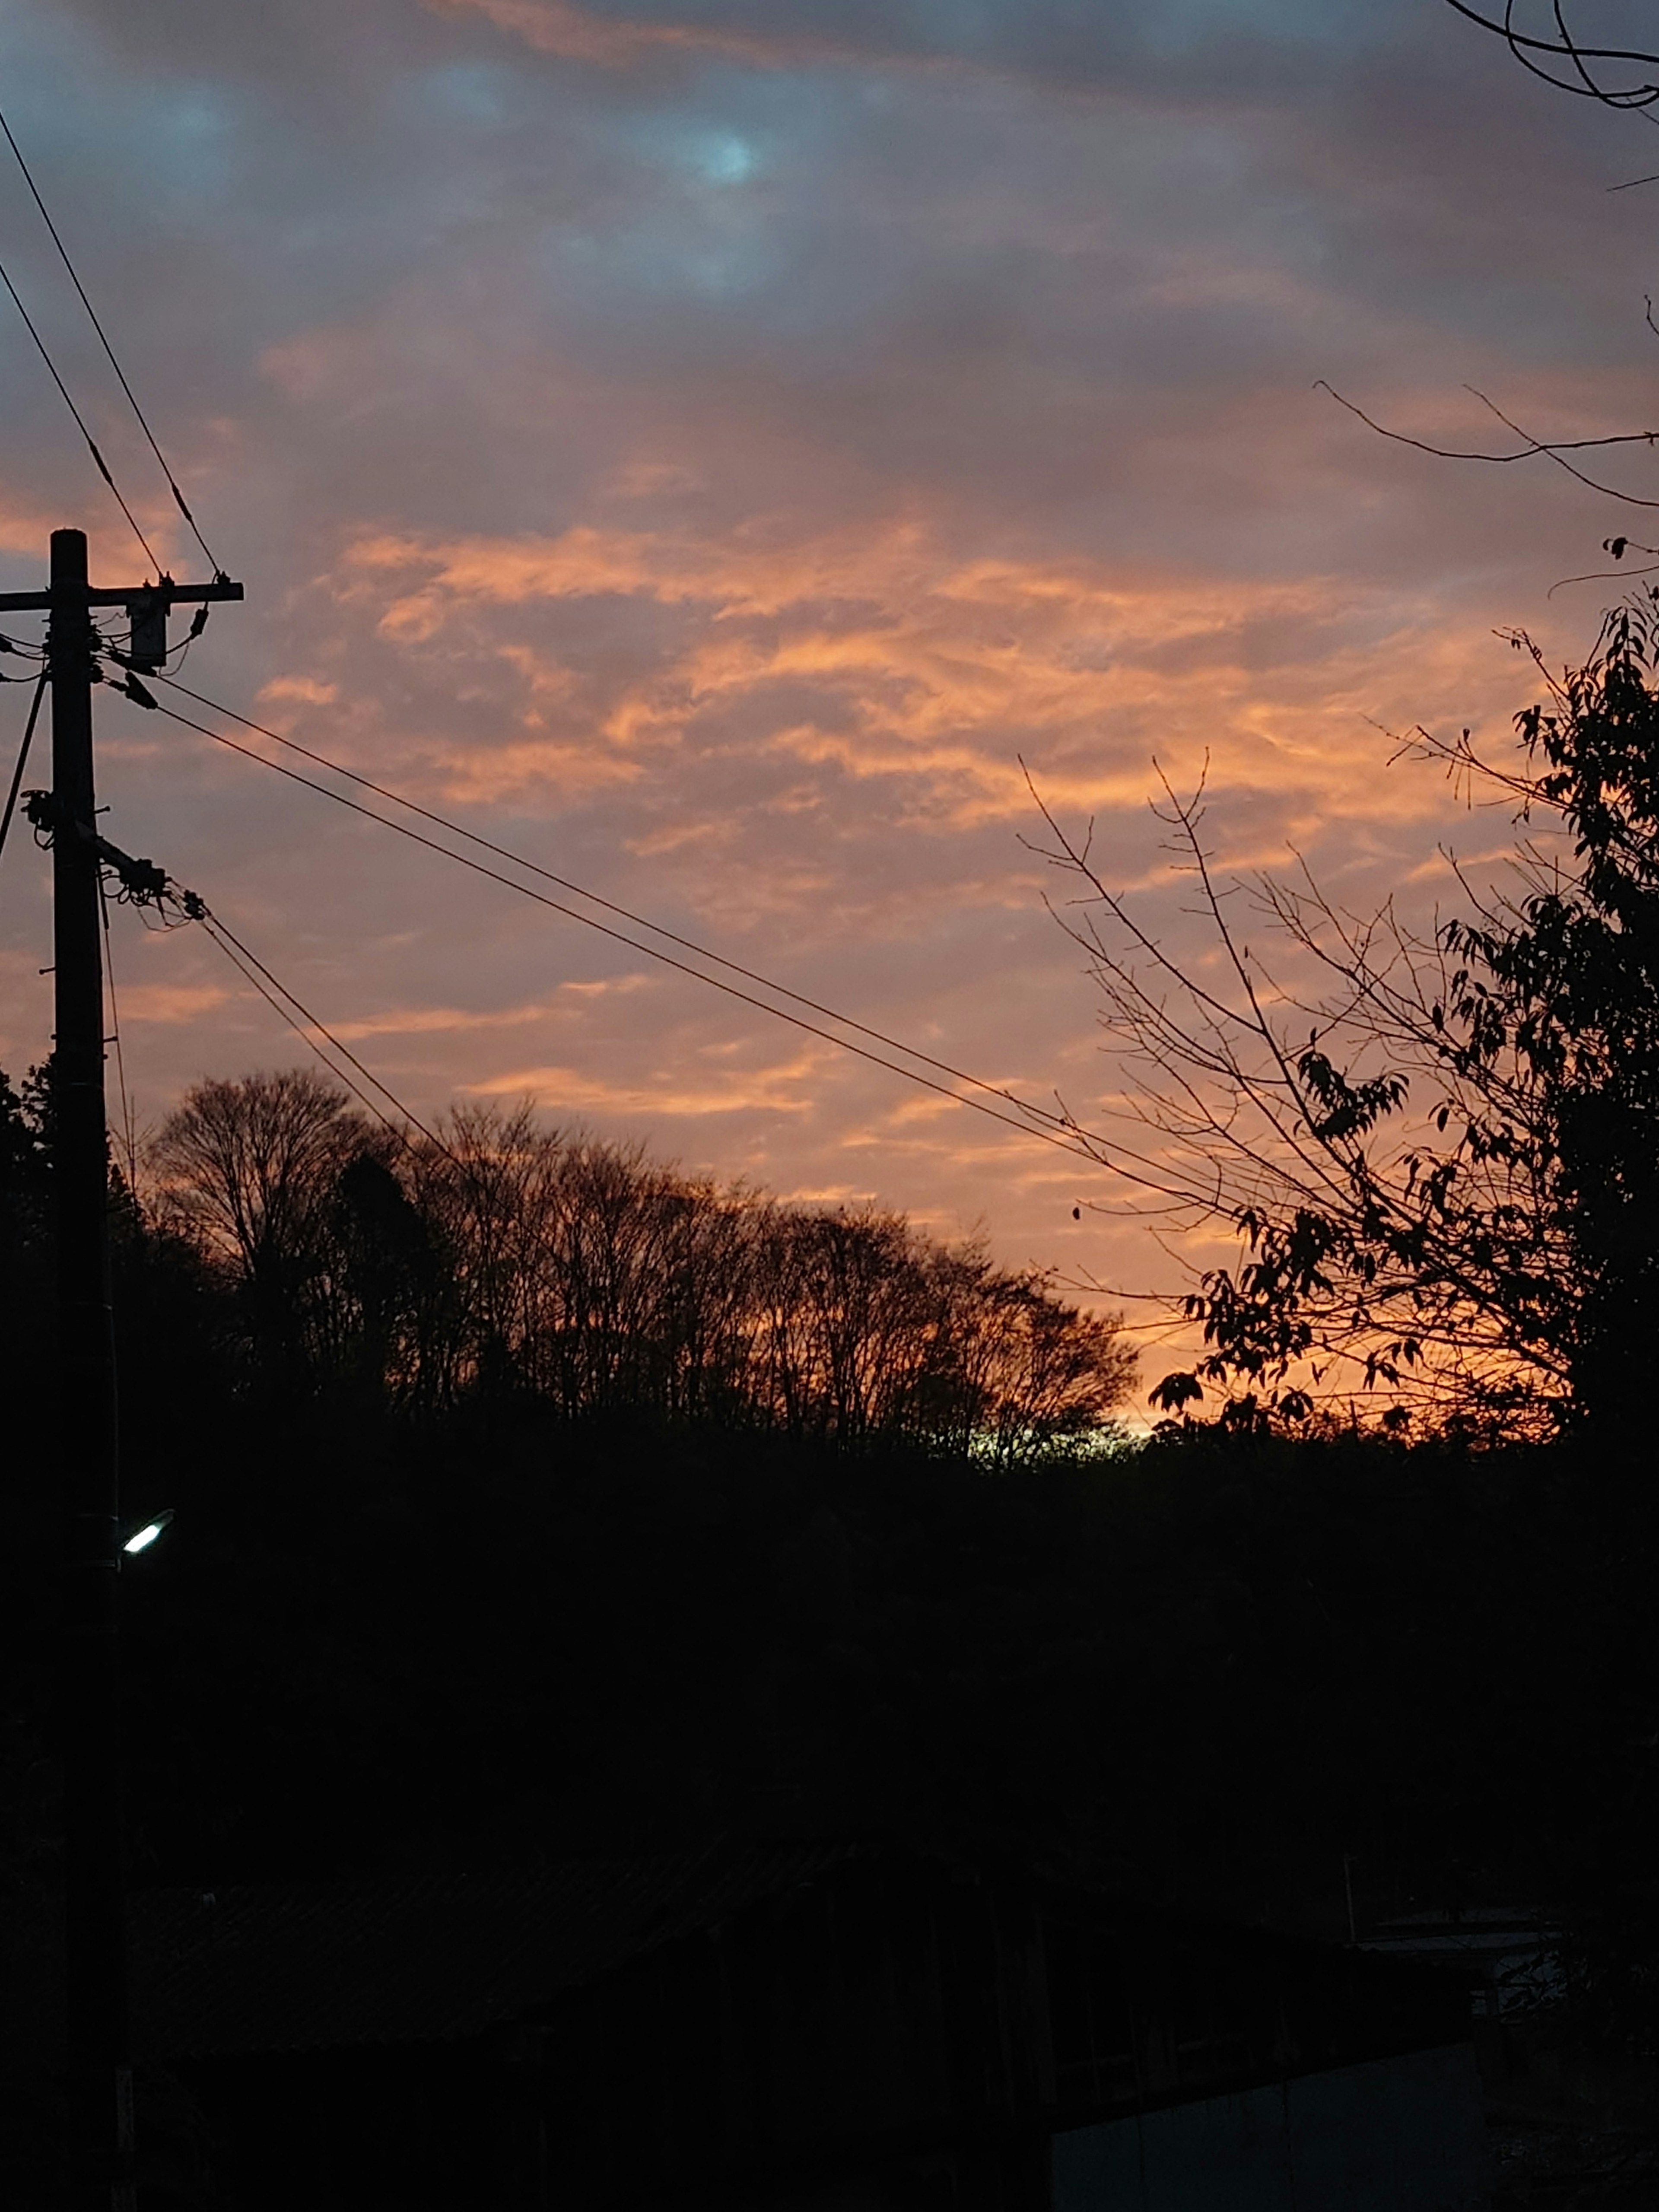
pixel 535 1502
pixel 444 1593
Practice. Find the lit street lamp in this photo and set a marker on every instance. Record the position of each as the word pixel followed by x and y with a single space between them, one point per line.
pixel 146 1533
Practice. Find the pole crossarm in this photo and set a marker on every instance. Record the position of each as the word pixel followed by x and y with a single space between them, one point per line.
pixel 188 594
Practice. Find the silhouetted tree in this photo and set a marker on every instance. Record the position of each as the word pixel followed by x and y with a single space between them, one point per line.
pixel 388 1300
pixel 251 1170
pixel 499 1255
pixel 1440 1151
pixel 25 1169
pixel 415 1604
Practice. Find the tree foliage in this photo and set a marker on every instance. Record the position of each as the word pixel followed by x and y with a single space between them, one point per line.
pixel 1438 1146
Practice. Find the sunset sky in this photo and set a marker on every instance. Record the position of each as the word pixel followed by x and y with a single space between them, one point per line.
pixel 707 444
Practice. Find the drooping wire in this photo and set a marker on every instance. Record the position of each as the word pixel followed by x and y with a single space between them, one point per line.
pixel 302 1030
pixel 103 340
pixel 256 973
pixel 127 1139
pixel 1077 1150
pixel 22 757
pixel 610 906
pixel 1046 1121
pixel 80 420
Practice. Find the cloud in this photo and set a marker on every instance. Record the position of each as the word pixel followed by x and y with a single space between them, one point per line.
pixel 555 27
pixel 1050 38
pixel 171 1003
pixel 878 652
pixel 785 1089
pixel 432 1021
pixel 708 443
pixel 476 775
pixel 303 691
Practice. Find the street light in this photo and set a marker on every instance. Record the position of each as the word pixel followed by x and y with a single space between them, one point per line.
pixel 146 1533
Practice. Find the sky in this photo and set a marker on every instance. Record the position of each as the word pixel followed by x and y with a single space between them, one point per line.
pixel 721 447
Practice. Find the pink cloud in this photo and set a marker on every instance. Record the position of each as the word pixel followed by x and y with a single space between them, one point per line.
pixel 557 27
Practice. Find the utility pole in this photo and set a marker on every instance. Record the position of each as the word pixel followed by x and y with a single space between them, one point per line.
pixel 99 2069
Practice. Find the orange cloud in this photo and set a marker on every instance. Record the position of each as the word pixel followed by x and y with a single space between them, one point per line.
pixel 170 1002
pixel 785 1089
pixel 911 663
pixel 304 691
pixel 426 1021
pixel 480 775
pixel 112 552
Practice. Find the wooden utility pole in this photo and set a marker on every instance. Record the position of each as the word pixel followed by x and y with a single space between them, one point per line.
pixel 100 2072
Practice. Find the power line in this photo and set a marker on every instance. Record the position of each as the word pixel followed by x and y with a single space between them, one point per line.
pixel 259 979
pixel 22 757
pixel 299 1029
pixel 1077 1150
pixel 1038 1114
pixel 610 906
pixel 103 340
pixel 213 922
pixel 80 420
pixel 115 1028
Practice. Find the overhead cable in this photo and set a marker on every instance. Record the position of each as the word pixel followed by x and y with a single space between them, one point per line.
pixel 215 922
pixel 103 340
pixel 22 757
pixel 300 1030
pixel 1038 1114
pixel 129 1142
pixel 80 420
pixel 1076 1147
pixel 254 973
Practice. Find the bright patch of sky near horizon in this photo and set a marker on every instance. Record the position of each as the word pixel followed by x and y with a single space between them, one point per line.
pixel 710 445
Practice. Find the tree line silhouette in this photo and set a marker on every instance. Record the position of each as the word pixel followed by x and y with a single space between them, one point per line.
pixel 398 1625
pixel 535 1497
pixel 494 1252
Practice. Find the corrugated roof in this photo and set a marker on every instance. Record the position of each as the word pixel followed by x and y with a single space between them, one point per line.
pixel 280 1967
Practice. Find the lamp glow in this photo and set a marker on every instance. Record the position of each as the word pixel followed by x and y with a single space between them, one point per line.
pixel 147 1534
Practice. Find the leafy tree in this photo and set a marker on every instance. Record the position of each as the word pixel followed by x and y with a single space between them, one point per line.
pixel 1439 1149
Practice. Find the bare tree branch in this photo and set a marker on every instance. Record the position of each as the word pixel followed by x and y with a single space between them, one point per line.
pixel 1564 47
pixel 1534 448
